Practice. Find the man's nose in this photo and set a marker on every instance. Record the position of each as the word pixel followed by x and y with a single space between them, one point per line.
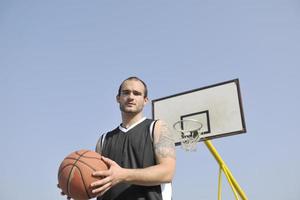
pixel 131 95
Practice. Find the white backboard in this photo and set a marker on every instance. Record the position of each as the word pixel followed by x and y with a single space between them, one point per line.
pixel 218 107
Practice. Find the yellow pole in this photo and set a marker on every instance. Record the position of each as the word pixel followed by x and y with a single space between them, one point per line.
pixel 222 164
pixel 220 184
pixel 230 183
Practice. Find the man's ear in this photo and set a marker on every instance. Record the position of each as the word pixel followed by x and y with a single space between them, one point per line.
pixel 146 100
pixel 118 98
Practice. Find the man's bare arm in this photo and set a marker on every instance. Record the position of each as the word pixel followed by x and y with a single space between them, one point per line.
pixel 164 143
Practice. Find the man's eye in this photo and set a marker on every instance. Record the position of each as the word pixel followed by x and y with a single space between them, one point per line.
pixel 125 92
pixel 137 93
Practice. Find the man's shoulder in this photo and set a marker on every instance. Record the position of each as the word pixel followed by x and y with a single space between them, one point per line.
pixel 160 122
pixel 113 131
pixel 148 120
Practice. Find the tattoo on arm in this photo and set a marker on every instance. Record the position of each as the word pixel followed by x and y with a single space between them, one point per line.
pixel 165 144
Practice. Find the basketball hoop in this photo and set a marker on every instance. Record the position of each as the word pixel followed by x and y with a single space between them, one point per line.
pixel 190 133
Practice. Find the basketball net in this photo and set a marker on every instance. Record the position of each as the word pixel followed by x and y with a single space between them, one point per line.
pixel 190 133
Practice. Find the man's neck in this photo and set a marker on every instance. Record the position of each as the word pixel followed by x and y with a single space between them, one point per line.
pixel 129 119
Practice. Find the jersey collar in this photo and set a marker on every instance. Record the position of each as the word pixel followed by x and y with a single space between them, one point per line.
pixel 132 126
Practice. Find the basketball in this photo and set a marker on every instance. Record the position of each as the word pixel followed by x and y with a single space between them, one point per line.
pixel 75 173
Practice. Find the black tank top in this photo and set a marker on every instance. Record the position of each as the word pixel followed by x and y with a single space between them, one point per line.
pixel 131 149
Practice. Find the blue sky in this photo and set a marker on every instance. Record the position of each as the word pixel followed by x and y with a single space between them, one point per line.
pixel 61 63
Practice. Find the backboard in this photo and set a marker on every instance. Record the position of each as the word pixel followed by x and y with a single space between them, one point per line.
pixel 218 107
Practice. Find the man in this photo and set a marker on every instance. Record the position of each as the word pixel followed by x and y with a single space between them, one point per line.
pixel 140 152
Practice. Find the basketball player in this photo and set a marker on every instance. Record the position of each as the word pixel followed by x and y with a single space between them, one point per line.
pixel 140 152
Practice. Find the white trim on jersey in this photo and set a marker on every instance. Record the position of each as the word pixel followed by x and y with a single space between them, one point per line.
pixel 103 138
pixel 166 191
pixel 132 126
pixel 151 129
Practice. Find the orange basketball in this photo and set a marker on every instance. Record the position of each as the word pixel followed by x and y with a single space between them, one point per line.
pixel 75 173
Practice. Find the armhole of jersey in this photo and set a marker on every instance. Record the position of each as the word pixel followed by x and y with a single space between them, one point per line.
pixel 152 126
pixel 100 143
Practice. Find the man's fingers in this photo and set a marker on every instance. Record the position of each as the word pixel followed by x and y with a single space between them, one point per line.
pixel 101 186
pixel 62 193
pixel 108 161
pixel 102 189
pixel 101 174
pixel 102 193
pixel 101 182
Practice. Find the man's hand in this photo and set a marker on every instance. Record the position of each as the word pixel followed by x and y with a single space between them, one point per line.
pixel 62 193
pixel 108 178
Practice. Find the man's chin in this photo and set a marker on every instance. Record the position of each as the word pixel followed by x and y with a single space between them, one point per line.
pixel 129 111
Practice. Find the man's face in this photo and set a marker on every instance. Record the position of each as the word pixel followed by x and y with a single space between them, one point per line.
pixel 132 98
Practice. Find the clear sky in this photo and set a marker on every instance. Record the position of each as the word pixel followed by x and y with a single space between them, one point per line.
pixel 61 62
